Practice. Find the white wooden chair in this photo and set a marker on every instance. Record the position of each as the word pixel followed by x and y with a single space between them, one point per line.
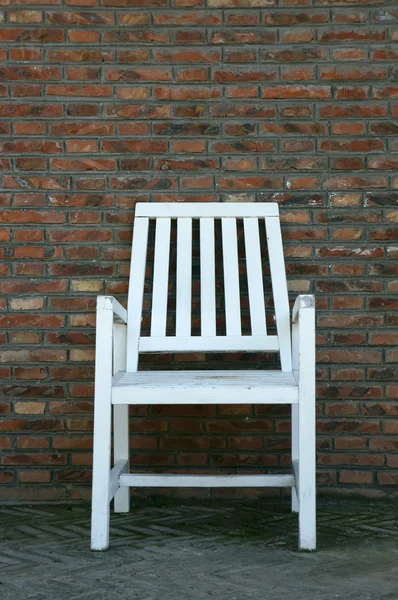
pixel 119 343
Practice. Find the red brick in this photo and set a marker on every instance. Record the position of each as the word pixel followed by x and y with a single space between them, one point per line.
pixel 74 55
pixel 140 36
pixel 360 460
pixel 344 269
pixel 30 373
pixel 30 442
pixel 25 16
pixel 80 18
pixel 189 146
pixel 348 128
pixel 39 459
pixel 297 91
pixel 349 443
pixel 349 356
pixel 31 146
pixel 301 73
pixel 46 183
pixel 243 37
pixel 304 54
pixel 245 75
pixel 83 73
pixel 389 91
pixel 298 146
pixel 384 54
pixel 356 111
pixel 356 145
pixel 343 183
pixel 352 35
pixel 352 73
pixel 30 216
pixel 26 128
pixel 297 36
pixel 387 478
pixel 352 92
pixel 133 19
pixel 39 73
pixel 241 56
pixel 350 16
pixel 188 18
pixel 34 35
pixel 189 36
pixel 349 54
pixel 138 146
pixel 34 476
pixel 90 91
pixel 83 164
pixel 81 146
pixel 26 90
pixel 248 182
pixel 352 477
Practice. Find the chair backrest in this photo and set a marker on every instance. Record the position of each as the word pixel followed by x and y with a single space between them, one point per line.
pixel 254 217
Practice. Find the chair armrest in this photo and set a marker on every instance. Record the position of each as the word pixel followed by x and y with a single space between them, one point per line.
pixel 303 302
pixel 110 303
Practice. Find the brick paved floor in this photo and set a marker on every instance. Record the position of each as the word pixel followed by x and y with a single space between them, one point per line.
pixel 183 550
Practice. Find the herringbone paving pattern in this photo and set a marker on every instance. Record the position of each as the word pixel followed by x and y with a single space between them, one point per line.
pixel 177 550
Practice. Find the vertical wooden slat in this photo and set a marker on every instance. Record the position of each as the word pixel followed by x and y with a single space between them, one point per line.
pixel 231 276
pixel 207 278
pixel 136 290
pixel 184 277
pixel 279 290
pixel 160 277
pixel 254 276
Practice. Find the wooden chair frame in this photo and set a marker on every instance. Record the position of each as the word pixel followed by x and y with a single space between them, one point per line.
pixel 118 382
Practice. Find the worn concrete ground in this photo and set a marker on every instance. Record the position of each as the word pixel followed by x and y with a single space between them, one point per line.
pixel 223 549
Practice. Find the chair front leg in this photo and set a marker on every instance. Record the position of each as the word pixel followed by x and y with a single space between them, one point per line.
pixel 303 421
pixel 295 455
pixel 102 428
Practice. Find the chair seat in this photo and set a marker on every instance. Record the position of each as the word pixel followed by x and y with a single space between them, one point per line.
pixel 204 387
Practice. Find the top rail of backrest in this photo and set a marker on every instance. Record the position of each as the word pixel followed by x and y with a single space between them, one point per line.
pixel 214 210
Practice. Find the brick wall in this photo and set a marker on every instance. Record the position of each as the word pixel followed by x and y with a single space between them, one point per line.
pixel 108 102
